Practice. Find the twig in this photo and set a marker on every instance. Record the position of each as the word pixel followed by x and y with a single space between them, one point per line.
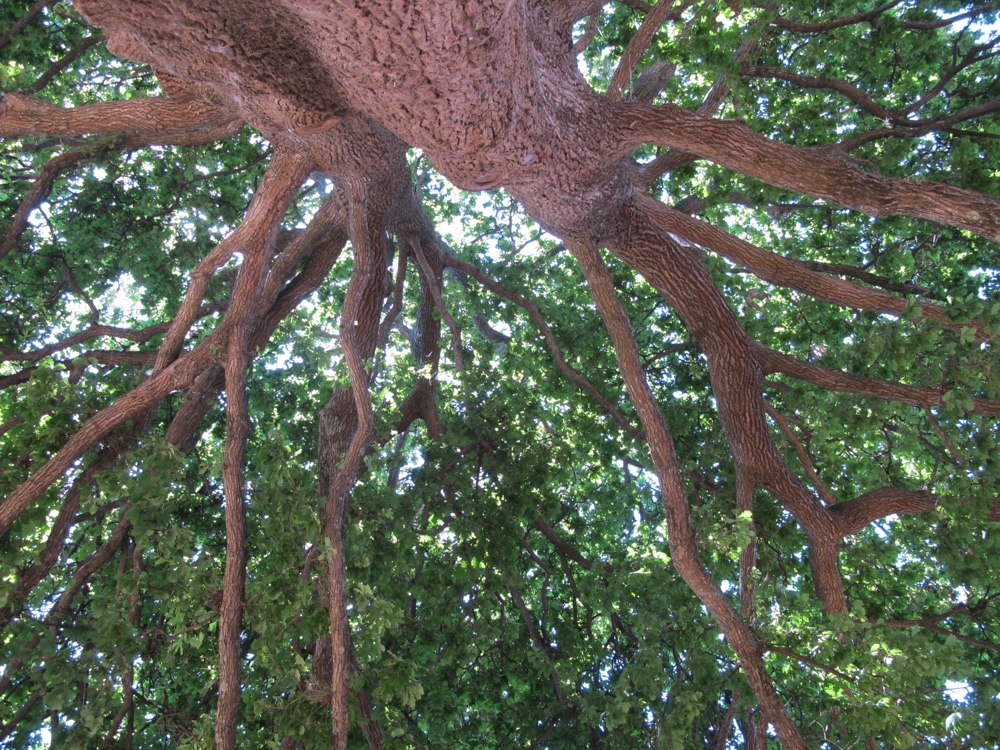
pixel 803 455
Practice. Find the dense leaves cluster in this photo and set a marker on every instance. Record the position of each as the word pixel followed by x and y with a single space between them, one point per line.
pixel 510 582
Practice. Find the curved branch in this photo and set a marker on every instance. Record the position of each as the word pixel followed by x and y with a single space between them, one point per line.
pixel 919 128
pixel 854 515
pixel 681 535
pixel 798 275
pixel 139 336
pixel 836 23
pixel 42 186
pixel 930 25
pixel 853 93
pixel 359 326
pixel 37 193
pixel 811 171
pixel 550 340
pixel 846 382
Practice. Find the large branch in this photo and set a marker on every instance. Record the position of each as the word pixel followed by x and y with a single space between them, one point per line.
pixel 854 515
pixel 267 208
pixel 796 274
pixel 178 376
pixel 283 178
pixel 349 419
pixel 681 535
pixel 811 171
pixel 22 115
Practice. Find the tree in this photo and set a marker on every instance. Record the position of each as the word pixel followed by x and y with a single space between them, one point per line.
pixel 651 405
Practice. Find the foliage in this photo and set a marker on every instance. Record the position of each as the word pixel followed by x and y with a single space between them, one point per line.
pixel 472 625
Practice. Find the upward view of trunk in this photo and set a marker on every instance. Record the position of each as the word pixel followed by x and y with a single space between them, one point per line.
pixel 493 96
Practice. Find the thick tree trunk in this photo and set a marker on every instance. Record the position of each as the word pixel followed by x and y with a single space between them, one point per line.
pixel 492 94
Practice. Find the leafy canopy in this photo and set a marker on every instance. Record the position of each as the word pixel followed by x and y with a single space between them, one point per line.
pixel 509 579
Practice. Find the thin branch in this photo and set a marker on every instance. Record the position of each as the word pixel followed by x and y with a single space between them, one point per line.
pixel 836 23
pixel 38 192
pixel 931 622
pixel 541 643
pixel 930 25
pixel 22 23
pixel 78 50
pixel 841 269
pixel 812 663
pixel 140 336
pixel 835 84
pixel 536 317
pixel 845 382
pixel 922 127
pixel 803 455
pixel 564 548
pixel 955 453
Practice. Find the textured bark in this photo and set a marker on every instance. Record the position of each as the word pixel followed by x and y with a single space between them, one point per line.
pixel 681 535
pixel 492 94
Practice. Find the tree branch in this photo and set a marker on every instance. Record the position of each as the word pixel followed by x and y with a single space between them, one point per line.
pixel 22 23
pixel 854 515
pixel 811 171
pixel 681 536
pixel 78 50
pixel 22 115
pixel 651 24
pixel 870 16
pixel 803 455
pixel 845 382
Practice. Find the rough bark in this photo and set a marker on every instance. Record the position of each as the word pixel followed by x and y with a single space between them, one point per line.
pixel 491 92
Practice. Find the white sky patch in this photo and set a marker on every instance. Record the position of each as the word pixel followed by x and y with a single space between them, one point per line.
pixel 959 691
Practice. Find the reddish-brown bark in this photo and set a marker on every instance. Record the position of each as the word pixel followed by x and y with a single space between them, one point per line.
pixel 490 91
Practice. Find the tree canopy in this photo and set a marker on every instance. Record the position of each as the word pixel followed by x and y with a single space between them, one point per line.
pixel 495 373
